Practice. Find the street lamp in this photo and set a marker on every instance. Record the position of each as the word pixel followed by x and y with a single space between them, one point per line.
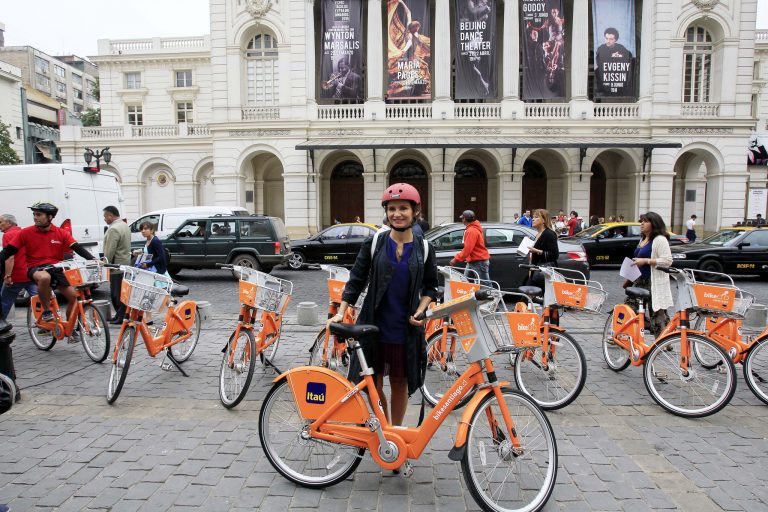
pixel 90 154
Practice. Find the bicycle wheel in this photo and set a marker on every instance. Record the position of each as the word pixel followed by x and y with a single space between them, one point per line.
pixel 183 350
pixel 336 361
pixel 439 375
pixel 699 391
pixel 235 376
pixel 616 357
pixel 94 334
pixel 44 340
pixel 697 322
pixel 125 345
pixel 268 354
pixel 302 460
pixel 500 477
pixel 756 369
pixel 561 381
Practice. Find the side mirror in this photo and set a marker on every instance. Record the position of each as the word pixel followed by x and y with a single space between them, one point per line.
pixel 744 244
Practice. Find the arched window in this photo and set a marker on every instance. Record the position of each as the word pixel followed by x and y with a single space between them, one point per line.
pixel 697 69
pixel 262 70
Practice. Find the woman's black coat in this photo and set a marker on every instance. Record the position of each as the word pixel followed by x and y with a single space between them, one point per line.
pixel 377 274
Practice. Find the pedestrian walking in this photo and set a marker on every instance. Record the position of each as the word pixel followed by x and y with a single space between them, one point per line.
pixel 153 256
pixel 545 250
pixel 15 272
pixel 117 250
pixel 759 220
pixel 474 252
pixel 526 220
pixel 690 234
pixel 573 223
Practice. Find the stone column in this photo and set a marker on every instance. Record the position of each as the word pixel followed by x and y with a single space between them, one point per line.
pixel 510 79
pixel 441 55
pixel 375 49
pixel 646 60
pixel 580 61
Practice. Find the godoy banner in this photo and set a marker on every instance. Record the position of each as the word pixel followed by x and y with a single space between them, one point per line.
pixel 543 32
pixel 409 49
pixel 613 26
pixel 340 75
pixel 475 49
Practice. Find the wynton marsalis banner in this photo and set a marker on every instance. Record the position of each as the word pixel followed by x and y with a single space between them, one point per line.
pixel 613 25
pixel 543 33
pixel 475 37
pixel 342 50
pixel 409 49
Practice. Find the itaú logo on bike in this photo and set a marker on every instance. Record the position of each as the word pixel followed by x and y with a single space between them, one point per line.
pixel 315 393
pixel 459 391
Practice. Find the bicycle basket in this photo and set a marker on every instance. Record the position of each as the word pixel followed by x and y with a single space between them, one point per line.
pixel 263 291
pixel 514 330
pixel 337 279
pixel 145 290
pixel 578 294
pixel 720 300
pixel 80 273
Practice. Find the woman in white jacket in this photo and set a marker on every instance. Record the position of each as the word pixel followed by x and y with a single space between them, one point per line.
pixel 651 253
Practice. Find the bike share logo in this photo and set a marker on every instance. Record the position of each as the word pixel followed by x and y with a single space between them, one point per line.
pixel 718 297
pixel 528 327
pixel 315 393
pixel 459 392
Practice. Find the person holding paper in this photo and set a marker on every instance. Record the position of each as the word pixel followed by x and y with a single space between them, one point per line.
pixel 545 251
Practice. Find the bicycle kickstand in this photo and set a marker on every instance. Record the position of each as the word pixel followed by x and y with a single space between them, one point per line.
pixel 269 363
pixel 169 356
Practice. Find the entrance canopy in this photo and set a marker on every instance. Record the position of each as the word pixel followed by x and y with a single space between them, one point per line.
pixel 485 142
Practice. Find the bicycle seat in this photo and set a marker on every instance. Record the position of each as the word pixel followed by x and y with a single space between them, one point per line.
pixel 179 290
pixel 638 293
pixel 531 291
pixel 346 331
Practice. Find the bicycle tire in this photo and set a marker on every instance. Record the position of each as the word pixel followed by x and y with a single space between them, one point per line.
pixel 438 379
pixel 616 356
pixel 183 350
pixel 561 382
pixel 290 454
pixel 488 456
pixel 233 394
pixel 95 336
pixel 38 339
pixel 119 372
pixel 699 385
pixel 336 362
pixel 697 323
pixel 756 369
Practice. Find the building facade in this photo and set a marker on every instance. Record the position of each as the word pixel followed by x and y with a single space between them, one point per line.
pixel 248 115
pixel 10 105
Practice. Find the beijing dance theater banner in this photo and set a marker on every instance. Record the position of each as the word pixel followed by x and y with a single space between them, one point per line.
pixel 342 24
pixel 613 25
pixel 409 49
pixel 475 37
pixel 543 29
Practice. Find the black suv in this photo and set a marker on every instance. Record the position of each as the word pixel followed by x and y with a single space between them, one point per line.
pixel 256 241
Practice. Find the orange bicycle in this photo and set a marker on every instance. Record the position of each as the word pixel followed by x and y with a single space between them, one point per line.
pixel 145 292
pixel 86 324
pixel 679 383
pixel 315 426
pixel 259 292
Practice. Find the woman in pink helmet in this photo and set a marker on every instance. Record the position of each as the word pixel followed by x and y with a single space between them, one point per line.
pixel 401 276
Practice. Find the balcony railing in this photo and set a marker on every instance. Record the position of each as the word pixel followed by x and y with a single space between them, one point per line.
pixel 416 111
pixel 700 110
pixel 761 36
pixel 548 111
pixel 102 132
pixel 617 111
pixel 154 45
pixel 477 111
pixel 198 129
pixel 260 113
pixel 171 130
pixel 340 112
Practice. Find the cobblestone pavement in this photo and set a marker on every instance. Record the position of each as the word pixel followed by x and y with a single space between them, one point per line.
pixel 168 443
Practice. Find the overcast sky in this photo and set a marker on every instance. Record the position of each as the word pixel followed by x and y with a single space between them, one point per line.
pixel 63 27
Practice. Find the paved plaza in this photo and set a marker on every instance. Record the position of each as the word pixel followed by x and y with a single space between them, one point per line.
pixel 168 443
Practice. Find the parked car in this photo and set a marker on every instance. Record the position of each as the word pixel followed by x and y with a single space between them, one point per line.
pixel 168 219
pixel 337 245
pixel 502 241
pixel 739 250
pixel 609 244
pixel 255 241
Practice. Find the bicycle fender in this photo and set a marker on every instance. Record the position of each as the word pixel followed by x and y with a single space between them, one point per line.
pixel 187 311
pixel 460 446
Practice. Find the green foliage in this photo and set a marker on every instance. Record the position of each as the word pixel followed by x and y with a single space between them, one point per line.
pixel 8 155
pixel 97 90
pixel 91 117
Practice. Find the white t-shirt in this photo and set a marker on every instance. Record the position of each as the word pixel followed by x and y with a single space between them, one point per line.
pixel 690 224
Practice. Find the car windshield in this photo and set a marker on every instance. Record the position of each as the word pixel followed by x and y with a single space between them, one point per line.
pixel 724 238
pixel 589 231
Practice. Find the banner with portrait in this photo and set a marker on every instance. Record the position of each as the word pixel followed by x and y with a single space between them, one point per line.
pixel 613 26
pixel 475 37
pixel 544 49
pixel 409 50
pixel 342 50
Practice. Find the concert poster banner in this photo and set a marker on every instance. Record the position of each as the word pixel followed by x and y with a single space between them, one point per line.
pixel 613 26
pixel 409 50
pixel 544 49
pixel 342 50
pixel 475 49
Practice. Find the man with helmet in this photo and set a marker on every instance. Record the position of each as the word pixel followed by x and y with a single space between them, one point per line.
pixel 46 244
pixel 474 252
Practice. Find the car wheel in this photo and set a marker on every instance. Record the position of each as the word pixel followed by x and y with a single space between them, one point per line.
pixel 246 260
pixel 296 261
pixel 710 266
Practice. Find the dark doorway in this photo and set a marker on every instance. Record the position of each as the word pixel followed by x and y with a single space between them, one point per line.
pixel 534 186
pixel 347 192
pixel 470 189
pixel 597 191
pixel 413 173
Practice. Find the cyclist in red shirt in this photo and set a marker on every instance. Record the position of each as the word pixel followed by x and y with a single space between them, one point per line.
pixel 45 245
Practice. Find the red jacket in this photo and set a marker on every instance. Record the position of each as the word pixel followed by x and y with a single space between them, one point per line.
pixel 474 244
pixel 19 274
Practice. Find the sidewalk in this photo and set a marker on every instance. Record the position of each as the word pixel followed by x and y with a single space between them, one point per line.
pixel 167 443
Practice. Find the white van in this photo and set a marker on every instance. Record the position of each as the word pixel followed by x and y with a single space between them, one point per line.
pixel 168 219
pixel 80 196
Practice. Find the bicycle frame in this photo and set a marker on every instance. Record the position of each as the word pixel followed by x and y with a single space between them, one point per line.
pixel 726 332
pixel 272 324
pixel 178 318
pixel 59 327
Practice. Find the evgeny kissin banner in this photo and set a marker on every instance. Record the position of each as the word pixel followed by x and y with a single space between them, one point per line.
pixel 342 49
pixel 613 26
pixel 409 49
pixel 475 37
pixel 544 49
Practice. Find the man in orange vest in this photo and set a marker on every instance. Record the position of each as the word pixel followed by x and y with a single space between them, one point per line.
pixel 474 252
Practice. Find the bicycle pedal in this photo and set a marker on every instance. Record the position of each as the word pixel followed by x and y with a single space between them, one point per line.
pixel 406 470
pixel 166 365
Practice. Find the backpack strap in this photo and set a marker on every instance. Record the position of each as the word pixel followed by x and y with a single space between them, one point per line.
pixel 384 229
